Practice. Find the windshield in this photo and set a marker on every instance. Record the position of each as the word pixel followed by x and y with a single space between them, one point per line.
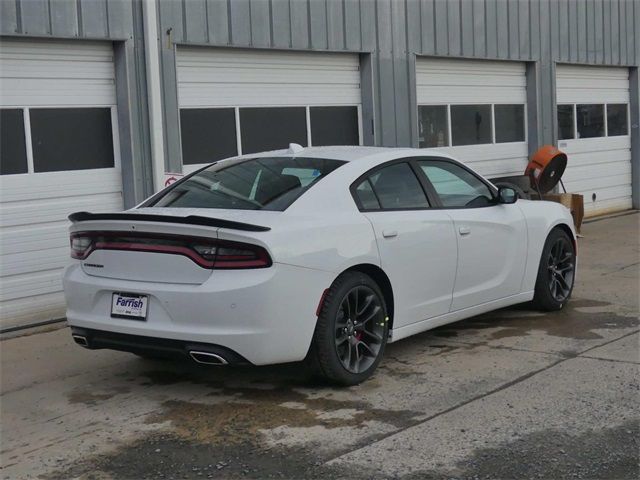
pixel 267 183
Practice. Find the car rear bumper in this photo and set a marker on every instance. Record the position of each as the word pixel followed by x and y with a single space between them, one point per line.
pixel 263 316
pixel 199 352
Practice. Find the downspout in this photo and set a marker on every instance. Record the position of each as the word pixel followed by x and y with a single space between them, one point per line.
pixel 153 88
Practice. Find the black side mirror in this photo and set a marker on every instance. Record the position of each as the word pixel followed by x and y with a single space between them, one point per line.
pixel 507 195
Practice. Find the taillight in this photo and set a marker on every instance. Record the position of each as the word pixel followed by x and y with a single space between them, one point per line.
pixel 80 246
pixel 207 253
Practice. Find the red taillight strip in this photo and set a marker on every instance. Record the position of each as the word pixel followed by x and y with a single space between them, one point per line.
pixel 143 247
pixel 263 259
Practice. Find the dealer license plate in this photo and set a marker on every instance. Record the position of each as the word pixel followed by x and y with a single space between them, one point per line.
pixel 129 305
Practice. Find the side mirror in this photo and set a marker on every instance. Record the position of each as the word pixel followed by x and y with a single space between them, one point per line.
pixel 507 195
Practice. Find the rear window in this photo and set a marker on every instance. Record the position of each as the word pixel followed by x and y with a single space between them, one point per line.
pixel 267 183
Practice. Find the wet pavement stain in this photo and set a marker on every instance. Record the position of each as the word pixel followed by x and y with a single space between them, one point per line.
pixel 251 411
pixel 225 439
pixel 577 321
pixel 93 399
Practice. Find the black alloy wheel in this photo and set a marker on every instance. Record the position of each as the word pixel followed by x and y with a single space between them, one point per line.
pixel 359 329
pixel 556 273
pixel 351 332
pixel 560 265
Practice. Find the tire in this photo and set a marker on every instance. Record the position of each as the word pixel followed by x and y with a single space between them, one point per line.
pixel 556 273
pixel 347 348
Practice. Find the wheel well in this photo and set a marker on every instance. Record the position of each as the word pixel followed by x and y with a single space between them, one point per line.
pixel 567 230
pixel 378 276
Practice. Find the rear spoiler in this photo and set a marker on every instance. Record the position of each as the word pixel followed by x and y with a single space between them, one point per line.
pixel 188 220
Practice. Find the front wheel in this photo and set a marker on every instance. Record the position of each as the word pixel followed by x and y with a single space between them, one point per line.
pixel 352 330
pixel 556 272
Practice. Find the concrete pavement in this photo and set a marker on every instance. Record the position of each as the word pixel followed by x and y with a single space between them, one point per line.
pixel 514 393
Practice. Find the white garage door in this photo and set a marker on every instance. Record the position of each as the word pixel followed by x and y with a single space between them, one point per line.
pixel 59 155
pixel 593 129
pixel 474 110
pixel 239 101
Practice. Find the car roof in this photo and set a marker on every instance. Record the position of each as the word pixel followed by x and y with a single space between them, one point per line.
pixel 348 153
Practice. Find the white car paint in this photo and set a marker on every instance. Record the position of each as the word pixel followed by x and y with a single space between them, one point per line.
pixel 268 315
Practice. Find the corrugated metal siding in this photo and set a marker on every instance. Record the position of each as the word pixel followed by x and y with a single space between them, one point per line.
pixel 102 19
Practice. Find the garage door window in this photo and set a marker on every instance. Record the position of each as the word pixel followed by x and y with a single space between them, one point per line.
pixel 58 139
pixel 434 126
pixel 210 134
pixel 71 139
pixel 509 123
pixel 590 120
pixel 334 125
pixel 566 128
pixel 13 148
pixel 264 129
pixel 617 119
pixel 459 125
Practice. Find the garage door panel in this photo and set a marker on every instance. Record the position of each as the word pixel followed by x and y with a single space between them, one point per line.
pixel 32 309
pixel 468 95
pixel 268 95
pixel 608 206
pixel 265 83
pixel 218 77
pixel 602 144
pixel 19 188
pixel 24 239
pixel 596 170
pixel 24 286
pixel 600 165
pixel 41 211
pixel 37 73
pixel 593 185
pixel 456 82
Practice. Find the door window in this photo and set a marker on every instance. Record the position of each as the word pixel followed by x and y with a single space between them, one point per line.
pixel 590 120
pixel 12 142
pixel 395 187
pixel 456 186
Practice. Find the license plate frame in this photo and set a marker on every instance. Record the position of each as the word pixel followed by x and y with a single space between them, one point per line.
pixel 129 312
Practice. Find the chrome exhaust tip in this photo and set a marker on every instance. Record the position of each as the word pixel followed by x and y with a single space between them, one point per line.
pixel 80 340
pixel 207 358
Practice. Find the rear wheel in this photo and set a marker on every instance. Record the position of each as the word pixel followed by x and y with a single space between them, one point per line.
pixel 556 272
pixel 351 332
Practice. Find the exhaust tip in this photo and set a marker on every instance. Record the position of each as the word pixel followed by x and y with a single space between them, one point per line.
pixel 80 340
pixel 207 358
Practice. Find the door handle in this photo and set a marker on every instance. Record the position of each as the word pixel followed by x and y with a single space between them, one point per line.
pixel 389 233
pixel 464 230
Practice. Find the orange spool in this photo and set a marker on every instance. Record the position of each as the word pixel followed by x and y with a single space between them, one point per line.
pixel 546 168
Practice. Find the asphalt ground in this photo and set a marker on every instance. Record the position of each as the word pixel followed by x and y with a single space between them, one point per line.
pixel 510 394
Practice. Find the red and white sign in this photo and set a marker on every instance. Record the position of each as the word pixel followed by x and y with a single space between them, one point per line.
pixel 170 178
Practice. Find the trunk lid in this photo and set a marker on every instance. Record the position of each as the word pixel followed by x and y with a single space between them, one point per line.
pixel 158 245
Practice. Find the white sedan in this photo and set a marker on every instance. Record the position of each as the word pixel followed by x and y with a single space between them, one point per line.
pixel 324 254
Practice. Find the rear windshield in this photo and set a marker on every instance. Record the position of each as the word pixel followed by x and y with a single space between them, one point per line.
pixel 266 183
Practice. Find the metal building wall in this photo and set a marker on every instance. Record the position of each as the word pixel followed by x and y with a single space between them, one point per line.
pixel 118 21
pixel 543 31
pixel 388 34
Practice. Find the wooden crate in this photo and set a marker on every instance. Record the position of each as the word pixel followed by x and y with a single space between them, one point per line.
pixel 573 202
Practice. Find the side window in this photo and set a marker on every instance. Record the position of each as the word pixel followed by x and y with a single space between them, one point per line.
pixel 393 187
pixel 367 198
pixel 456 186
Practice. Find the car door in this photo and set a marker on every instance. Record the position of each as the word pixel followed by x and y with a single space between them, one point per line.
pixel 417 244
pixel 491 237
